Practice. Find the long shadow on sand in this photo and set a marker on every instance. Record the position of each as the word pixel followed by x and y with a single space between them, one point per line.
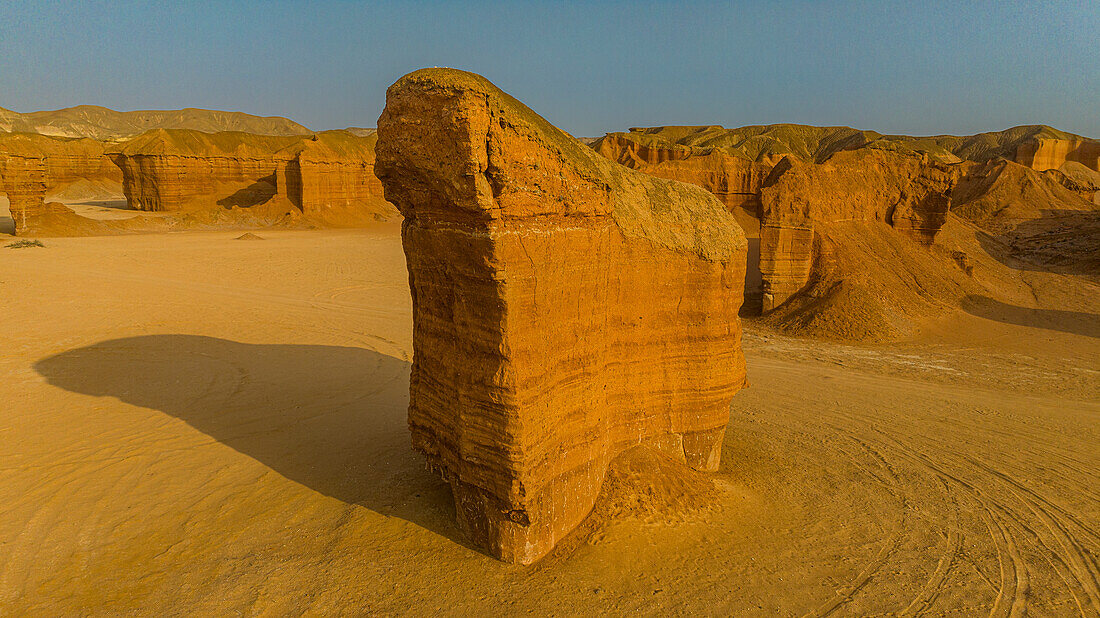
pixel 330 418
pixel 1076 322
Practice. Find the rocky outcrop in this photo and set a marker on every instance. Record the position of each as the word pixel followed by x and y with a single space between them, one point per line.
pixel 846 221
pixel 23 180
pixel 333 172
pixel 733 163
pixel 802 200
pixel 1052 154
pixel 176 170
pixel 565 308
pixel 172 170
pixel 67 161
pixel 730 163
pixel 734 180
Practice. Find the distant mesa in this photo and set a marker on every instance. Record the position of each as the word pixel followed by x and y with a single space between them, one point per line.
pixel 105 124
pixel 566 309
pixel 328 176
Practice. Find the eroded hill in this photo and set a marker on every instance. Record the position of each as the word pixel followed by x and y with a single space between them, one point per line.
pixel 102 123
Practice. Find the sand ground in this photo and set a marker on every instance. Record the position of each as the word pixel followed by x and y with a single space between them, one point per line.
pixel 191 424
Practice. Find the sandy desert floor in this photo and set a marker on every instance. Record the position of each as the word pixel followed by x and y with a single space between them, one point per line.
pixel 192 424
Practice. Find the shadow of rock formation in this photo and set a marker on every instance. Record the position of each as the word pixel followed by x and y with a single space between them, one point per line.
pixel 113 204
pixel 330 418
pixel 255 193
pixel 752 305
pixel 1075 322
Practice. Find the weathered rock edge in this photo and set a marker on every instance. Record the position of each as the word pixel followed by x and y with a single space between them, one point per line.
pixel 565 308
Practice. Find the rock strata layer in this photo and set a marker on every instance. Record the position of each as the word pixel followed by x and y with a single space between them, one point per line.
pixel 565 308
pixel 174 170
pixel 36 166
pixel 23 180
pixel 909 192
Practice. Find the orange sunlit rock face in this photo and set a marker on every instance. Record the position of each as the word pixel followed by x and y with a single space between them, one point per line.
pixel 909 192
pixel 565 308
pixel 23 179
pixel 1052 154
pixel 175 169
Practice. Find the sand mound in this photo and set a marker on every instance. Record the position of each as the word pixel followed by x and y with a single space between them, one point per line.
pixel 249 236
pixel 645 483
pixel 845 299
pixel 642 484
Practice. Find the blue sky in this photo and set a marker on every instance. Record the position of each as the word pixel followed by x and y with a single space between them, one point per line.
pixel 905 67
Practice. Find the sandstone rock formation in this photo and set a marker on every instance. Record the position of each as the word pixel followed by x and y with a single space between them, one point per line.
pixel 733 163
pixel 1048 154
pixel 66 161
pixel 565 308
pixel 174 170
pixel 730 163
pixel 23 180
pixel 846 205
pixel 734 180
pixel 101 123
pixel 910 193
pixel 334 171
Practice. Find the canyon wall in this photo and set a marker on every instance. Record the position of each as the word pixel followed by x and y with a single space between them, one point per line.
pixel 331 173
pixel 734 180
pixel 67 161
pixel 732 163
pixel 1052 154
pixel 565 308
pixel 890 184
pixel 802 199
pixel 177 170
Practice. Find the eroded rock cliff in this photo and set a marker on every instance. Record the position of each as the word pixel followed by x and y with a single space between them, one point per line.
pixel 67 161
pixel 733 163
pixel 23 180
pixel 839 237
pixel 176 170
pixel 734 180
pixel 803 199
pixel 565 308
pixel 331 175
pixel 1052 154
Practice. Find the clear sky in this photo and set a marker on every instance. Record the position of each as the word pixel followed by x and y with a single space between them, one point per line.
pixel 897 67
